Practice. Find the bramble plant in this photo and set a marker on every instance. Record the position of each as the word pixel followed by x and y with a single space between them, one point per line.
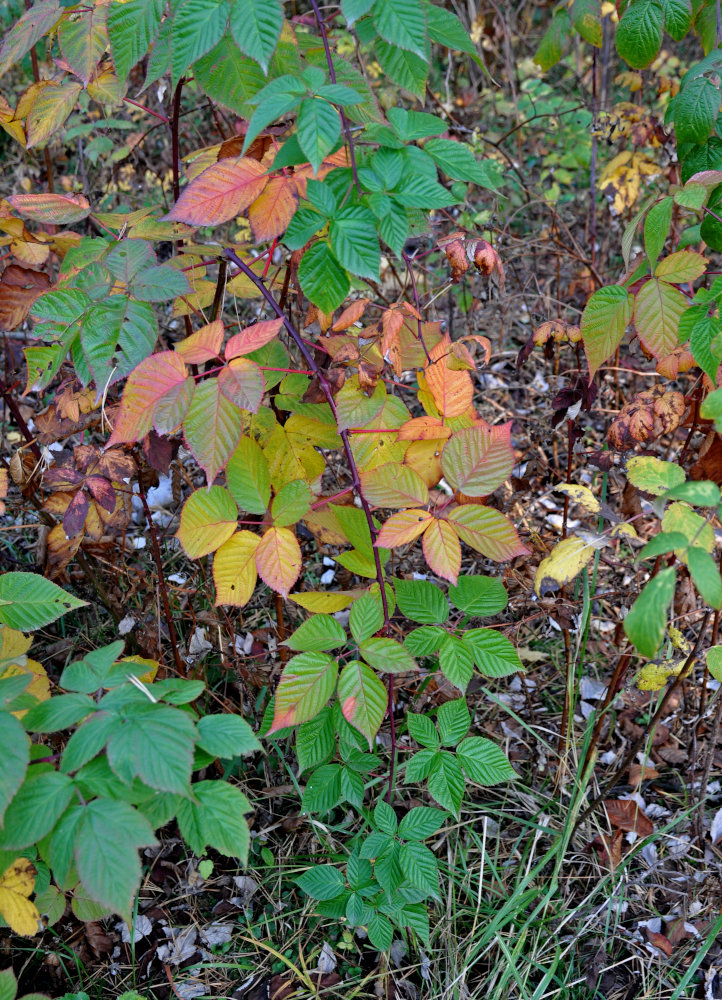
pixel 252 324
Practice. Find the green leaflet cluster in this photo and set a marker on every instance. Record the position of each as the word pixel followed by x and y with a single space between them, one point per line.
pixel 126 769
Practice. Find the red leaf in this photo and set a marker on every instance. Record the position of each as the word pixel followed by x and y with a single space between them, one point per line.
pixel 253 337
pixel 220 193
pixel 146 386
pixel 102 492
pixel 74 516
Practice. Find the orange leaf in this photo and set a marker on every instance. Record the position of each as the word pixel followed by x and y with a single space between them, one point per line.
pixel 51 208
pixel 220 193
pixel 403 527
pixel 350 315
pixel 203 345
pixel 271 212
pixel 452 391
pixel 146 386
pixel 278 559
pixel 253 337
pixel 442 550
pixel 424 429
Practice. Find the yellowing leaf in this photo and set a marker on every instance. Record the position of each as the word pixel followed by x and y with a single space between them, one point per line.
pixel 566 561
pixel 424 457
pixel 306 684
pixel 212 427
pixel 622 178
pixel 319 602
pixel 242 382
pixel 488 531
pixel 50 107
pixel 681 267
pixel 478 459
pixel 51 208
pixel 147 384
pixel 208 519
pixel 451 390
pixel 16 886
pixel 278 559
pixel 442 550
pixel 152 667
pixel 653 676
pixel 234 569
pixel 393 485
pixel 579 494
pixel 658 308
pixel 402 528
pixel 203 345
pixel 219 193
pixel 679 517
pixel 39 686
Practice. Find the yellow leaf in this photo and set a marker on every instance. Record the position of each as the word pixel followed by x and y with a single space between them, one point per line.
pixel 278 559
pixel 620 530
pixel 16 886
pixel 653 676
pixel 564 562
pixel 579 494
pixel 149 676
pixel 320 602
pixel 234 569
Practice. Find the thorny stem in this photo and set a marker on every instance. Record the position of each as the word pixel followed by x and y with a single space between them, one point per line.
pixel 161 577
pixel 356 482
pixel 175 144
pixel 332 74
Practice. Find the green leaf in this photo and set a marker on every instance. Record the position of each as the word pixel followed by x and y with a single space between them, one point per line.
pixel 291 502
pixel 197 26
pixel 158 284
pixel 423 730
pixel 446 782
pixel 8 983
pixel 116 335
pixel 108 836
pixel 419 866
pixel 352 10
pixel 445 28
pixel 226 736
pixel 419 766
pixel 421 601
pixel 318 129
pixel 587 20
pixel 711 409
pixel 215 818
pixel 268 110
pixel 323 789
pixel 403 68
pixel 656 228
pixel 90 674
pixel 316 634
pixel 453 720
pixel 16 756
pixel 366 617
pixel 28 601
pixel 704 329
pixel 380 931
pixel 321 882
pixel 606 316
pixel 424 641
pixel 661 544
pixel 315 741
pixel 322 278
pixel 677 18
pixel 484 762
pixel 132 26
pixel 402 23
pixel 304 224
pixel 458 161
pixel 639 33
pixel 647 619
pixel 479 595
pixel 58 713
pixel 706 576
pixel 154 743
pixel 456 662
pixel 422 192
pixel 494 654
pixel 385 818
pixel 363 698
pixel 700 494
pixel 654 475
pixel 248 478
pixel 695 111
pixel 555 40
pixel 353 238
pixel 307 682
pixel 228 77
pixel 256 27
pixel 35 808
pixel 387 656
pixel 714 662
pixel 420 822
